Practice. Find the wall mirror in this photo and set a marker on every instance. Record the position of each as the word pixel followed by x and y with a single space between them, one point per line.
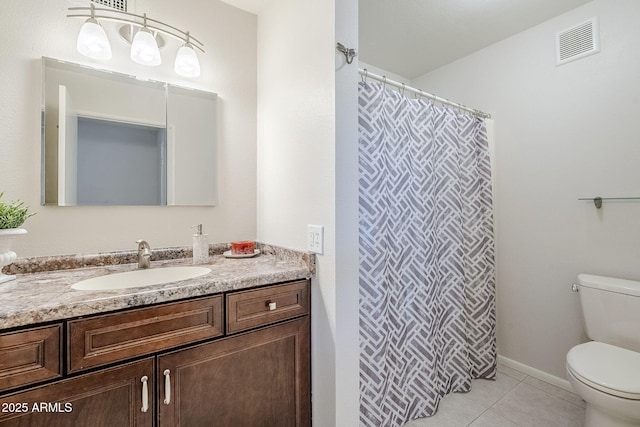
pixel 112 139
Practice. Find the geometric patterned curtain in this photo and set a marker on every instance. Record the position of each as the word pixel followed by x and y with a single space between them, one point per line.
pixel 427 271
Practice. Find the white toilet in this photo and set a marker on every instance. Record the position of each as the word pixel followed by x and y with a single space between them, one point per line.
pixel 606 371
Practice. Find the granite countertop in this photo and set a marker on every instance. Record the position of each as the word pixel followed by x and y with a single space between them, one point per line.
pixel 43 296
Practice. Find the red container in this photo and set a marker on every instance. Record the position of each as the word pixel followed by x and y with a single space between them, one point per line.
pixel 243 248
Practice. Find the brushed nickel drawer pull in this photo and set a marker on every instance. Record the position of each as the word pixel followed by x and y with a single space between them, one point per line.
pixel 167 386
pixel 272 306
pixel 145 393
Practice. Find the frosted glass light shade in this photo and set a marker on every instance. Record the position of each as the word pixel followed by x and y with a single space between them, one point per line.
pixel 93 41
pixel 144 49
pixel 187 64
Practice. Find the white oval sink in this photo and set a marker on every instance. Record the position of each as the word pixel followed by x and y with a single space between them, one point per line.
pixel 137 278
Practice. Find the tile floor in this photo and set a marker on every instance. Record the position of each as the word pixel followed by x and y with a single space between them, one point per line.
pixel 514 399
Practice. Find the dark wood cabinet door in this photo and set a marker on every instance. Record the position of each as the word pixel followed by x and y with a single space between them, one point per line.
pixel 109 398
pixel 255 379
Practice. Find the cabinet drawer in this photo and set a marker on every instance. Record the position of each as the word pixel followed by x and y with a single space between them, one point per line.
pixel 113 337
pixel 30 356
pixel 250 309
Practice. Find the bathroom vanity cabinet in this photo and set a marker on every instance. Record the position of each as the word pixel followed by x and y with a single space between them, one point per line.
pixel 240 358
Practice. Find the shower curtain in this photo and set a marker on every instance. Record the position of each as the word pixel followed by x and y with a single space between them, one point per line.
pixel 427 287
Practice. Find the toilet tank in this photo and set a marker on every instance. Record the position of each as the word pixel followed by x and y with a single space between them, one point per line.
pixel 611 310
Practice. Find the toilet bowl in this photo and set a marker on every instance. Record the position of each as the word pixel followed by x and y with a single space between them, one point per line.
pixel 605 372
pixel 608 379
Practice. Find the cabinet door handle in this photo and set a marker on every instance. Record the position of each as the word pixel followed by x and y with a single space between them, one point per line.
pixel 145 393
pixel 167 386
pixel 272 306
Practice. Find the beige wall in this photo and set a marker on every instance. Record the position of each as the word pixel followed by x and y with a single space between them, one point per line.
pixel 347 238
pixel 296 168
pixel 30 29
pixel 307 174
pixel 561 133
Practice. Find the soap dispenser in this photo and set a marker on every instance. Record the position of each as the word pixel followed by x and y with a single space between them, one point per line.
pixel 200 246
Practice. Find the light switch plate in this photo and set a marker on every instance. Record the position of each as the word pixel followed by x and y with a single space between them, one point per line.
pixel 315 238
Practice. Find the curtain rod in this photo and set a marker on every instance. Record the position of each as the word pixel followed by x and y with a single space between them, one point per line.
pixel 367 74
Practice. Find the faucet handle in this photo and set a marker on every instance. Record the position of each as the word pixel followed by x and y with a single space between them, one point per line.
pixel 144 254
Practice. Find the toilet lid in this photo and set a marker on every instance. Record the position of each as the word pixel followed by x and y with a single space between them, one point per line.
pixel 611 369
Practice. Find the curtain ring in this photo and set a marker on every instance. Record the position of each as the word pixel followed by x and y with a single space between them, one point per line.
pixel 402 90
pixel 384 82
pixel 364 76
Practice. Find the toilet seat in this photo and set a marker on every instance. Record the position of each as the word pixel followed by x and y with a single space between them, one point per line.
pixel 607 368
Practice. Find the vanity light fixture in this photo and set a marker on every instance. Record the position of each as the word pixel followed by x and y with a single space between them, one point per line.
pixel 187 64
pixel 144 48
pixel 144 34
pixel 92 39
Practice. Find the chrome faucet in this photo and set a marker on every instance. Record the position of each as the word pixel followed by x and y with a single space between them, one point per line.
pixel 144 254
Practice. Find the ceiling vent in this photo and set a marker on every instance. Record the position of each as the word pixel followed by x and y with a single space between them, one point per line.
pixel 120 5
pixel 577 42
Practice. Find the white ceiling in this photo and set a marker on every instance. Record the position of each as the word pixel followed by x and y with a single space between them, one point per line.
pixel 253 6
pixel 413 37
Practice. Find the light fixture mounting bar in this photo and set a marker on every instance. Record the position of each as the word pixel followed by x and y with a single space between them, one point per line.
pixel 138 20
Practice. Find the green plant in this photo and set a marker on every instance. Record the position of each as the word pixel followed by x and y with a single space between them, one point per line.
pixel 14 214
